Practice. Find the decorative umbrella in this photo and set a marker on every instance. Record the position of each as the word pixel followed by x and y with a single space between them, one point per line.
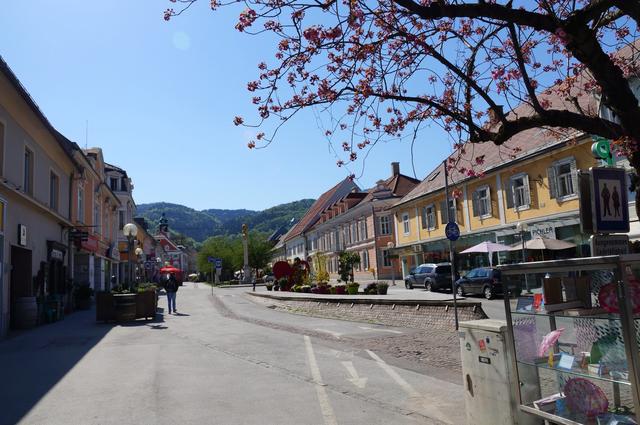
pixel 169 269
pixel 546 243
pixel 487 247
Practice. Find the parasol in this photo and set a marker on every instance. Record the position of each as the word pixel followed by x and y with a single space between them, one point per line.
pixel 488 248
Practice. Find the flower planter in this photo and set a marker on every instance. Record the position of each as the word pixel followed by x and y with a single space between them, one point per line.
pixel 340 290
pixel 382 290
pixel 146 304
pixel 105 308
pixel 352 290
pixel 125 307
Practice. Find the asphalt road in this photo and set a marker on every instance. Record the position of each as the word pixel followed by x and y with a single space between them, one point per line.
pixel 221 360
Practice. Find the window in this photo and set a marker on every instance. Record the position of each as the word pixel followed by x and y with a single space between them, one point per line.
pixel 563 179
pixel 429 217
pixel 113 183
pixel 364 260
pixel 385 227
pixel 452 211
pixel 123 184
pixel 363 229
pixel 120 219
pixel 386 258
pixel 482 202
pixel 96 218
pixel 405 223
pixel 518 194
pixel 54 191
pixel 27 183
pixel 80 202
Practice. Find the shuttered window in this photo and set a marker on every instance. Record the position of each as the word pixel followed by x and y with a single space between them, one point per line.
pixel 518 192
pixel 481 202
pixel 563 179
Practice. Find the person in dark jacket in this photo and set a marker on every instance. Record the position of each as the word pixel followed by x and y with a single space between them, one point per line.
pixel 171 287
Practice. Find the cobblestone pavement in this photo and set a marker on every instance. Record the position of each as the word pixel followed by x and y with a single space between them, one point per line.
pixel 432 352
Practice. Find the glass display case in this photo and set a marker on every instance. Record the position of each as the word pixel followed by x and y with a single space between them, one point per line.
pixel 576 338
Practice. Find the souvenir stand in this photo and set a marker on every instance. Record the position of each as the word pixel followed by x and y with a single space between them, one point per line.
pixel 576 339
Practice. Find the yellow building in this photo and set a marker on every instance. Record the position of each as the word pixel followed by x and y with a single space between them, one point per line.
pixel 532 181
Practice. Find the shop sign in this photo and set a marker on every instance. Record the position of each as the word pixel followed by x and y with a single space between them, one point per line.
pixel 22 234
pixel 56 254
pixel 609 245
pixel 91 244
pixel 543 230
pixel 609 197
pixel 115 253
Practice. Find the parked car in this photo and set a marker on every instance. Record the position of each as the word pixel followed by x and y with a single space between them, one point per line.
pixel 433 277
pixel 481 281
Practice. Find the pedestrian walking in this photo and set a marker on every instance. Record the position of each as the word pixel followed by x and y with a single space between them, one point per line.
pixel 171 287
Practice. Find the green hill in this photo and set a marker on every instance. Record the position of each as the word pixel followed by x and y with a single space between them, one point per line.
pixel 200 225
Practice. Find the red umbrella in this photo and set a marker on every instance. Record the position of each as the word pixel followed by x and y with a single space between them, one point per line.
pixel 170 269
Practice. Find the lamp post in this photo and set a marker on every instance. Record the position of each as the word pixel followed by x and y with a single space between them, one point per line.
pixel 522 228
pixel 130 231
pixel 390 246
pixel 139 252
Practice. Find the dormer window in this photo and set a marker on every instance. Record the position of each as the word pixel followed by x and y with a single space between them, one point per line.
pixel 605 113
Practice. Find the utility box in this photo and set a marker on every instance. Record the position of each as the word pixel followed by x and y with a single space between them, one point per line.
pixel 490 383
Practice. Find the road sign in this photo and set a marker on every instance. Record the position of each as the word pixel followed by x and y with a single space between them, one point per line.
pixel 609 197
pixel 609 245
pixel 218 263
pixel 211 259
pixel 452 231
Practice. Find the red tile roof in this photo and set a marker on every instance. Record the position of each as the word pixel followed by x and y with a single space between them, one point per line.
pixel 312 215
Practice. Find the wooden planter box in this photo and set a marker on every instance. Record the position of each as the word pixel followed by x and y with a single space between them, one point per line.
pixel 146 305
pixel 119 307
pixel 105 308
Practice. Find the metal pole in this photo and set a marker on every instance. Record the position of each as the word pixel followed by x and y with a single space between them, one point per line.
pixel 393 273
pixel 524 260
pixel 130 240
pixel 451 247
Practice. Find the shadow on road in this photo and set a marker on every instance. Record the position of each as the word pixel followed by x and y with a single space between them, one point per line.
pixel 33 362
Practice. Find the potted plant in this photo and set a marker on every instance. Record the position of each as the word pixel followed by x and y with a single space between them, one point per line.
pixel 382 288
pixel 352 288
pixel 269 286
pixel 341 289
pixel 82 295
pixel 371 289
pixel 305 288
pixel 146 301
pixel 283 282
pixel 333 290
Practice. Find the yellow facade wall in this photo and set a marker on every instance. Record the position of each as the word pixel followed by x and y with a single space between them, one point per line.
pixel 541 202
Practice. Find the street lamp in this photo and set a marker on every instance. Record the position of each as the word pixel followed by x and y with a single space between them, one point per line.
pixel 522 228
pixel 130 231
pixel 139 252
pixel 390 246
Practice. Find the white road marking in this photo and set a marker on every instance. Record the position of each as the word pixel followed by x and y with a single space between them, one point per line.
pixel 379 330
pixel 323 398
pixel 355 379
pixel 332 333
pixel 430 407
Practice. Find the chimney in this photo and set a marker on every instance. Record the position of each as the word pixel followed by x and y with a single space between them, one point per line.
pixel 395 168
pixel 493 114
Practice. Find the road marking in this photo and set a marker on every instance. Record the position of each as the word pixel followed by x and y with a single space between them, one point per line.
pixel 394 375
pixel 379 330
pixel 332 333
pixel 323 398
pixel 414 396
pixel 355 379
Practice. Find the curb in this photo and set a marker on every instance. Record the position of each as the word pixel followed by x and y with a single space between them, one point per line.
pixel 369 300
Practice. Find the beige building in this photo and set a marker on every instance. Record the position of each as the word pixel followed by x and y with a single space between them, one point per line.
pixel 36 167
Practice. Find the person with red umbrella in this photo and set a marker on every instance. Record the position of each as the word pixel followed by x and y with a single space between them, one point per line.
pixel 171 287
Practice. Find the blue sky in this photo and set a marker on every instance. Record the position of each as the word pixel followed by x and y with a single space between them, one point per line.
pixel 160 98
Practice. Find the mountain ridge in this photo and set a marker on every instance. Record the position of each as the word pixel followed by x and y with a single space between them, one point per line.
pixel 201 224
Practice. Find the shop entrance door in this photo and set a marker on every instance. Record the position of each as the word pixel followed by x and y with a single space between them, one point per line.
pixel 21 277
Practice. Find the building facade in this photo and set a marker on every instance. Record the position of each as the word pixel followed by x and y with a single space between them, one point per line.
pixel 36 169
pixel 361 222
